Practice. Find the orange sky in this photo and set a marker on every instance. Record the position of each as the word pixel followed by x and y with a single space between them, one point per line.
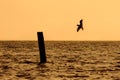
pixel 21 19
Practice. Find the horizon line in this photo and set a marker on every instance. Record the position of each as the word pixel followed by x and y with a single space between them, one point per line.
pixel 60 40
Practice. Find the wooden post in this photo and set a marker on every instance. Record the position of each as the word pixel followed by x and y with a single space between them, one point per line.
pixel 41 47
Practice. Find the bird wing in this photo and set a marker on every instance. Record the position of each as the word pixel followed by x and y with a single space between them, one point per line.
pixel 78 28
pixel 82 28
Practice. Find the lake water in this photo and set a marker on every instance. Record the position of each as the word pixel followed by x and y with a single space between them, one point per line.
pixel 66 60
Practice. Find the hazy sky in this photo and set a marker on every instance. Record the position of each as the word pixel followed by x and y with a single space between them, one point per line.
pixel 57 19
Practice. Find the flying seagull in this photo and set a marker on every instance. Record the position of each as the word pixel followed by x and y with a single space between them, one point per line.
pixel 80 26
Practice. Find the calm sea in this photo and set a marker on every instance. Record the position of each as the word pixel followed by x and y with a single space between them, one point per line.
pixel 66 60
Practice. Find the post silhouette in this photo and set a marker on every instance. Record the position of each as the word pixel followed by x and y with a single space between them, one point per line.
pixel 41 46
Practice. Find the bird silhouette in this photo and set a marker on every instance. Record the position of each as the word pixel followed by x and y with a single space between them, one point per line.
pixel 80 26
